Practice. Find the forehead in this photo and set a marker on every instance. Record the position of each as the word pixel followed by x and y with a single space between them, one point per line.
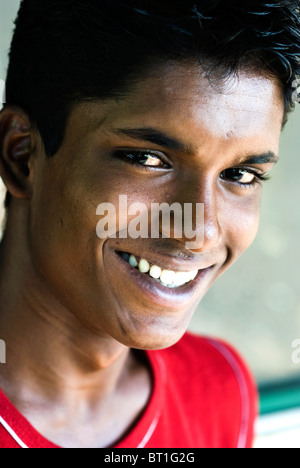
pixel 181 98
pixel 230 106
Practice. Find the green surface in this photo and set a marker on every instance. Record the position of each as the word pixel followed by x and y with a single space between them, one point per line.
pixel 279 397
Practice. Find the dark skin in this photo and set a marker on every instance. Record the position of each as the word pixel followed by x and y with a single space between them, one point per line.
pixel 70 317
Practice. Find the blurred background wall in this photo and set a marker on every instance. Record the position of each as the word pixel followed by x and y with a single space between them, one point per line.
pixel 256 305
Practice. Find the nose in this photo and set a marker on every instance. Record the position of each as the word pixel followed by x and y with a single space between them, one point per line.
pixel 200 229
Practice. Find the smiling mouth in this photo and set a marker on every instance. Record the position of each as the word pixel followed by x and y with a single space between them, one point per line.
pixel 169 278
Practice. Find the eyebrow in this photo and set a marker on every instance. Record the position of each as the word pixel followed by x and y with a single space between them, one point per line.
pixel 264 158
pixel 159 138
pixel 154 136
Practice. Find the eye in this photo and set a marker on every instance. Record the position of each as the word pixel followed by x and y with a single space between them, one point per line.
pixel 243 176
pixel 143 159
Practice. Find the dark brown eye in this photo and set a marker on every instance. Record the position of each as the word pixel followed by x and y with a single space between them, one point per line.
pixel 149 160
pixel 142 158
pixel 241 176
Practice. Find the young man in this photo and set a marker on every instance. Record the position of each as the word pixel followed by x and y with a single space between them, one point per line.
pixel 158 102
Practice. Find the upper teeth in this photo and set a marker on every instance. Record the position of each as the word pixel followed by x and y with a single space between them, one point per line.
pixel 166 277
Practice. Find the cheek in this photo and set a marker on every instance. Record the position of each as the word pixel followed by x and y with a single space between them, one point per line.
pixel 63 230
pixel 240 225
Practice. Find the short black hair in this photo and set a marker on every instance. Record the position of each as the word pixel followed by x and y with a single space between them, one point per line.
pixel 67 51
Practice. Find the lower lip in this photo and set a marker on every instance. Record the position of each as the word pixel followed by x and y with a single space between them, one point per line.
pixel 155 292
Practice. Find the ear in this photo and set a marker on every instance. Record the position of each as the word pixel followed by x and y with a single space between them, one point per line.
pixel 16 149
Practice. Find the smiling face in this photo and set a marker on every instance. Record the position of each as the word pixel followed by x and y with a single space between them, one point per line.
pixel 173 138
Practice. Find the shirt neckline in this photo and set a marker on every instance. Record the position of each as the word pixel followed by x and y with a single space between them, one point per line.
pixel 28 437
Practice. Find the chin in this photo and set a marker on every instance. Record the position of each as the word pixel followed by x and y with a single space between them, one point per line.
pixel 154 336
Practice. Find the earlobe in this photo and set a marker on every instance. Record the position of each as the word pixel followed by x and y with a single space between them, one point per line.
pixel 16 149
